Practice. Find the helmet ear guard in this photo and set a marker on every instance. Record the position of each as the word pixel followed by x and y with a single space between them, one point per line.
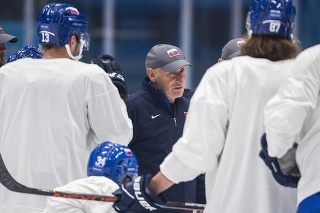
pixel 113 161
pixel 271 17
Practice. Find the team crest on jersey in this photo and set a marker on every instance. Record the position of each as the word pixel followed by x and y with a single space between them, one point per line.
pixel 100 161
pixel 173 52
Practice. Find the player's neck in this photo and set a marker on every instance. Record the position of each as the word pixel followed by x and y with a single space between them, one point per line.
pixel 55 53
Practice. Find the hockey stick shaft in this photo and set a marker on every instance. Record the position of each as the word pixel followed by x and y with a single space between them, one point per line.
pixel 10 183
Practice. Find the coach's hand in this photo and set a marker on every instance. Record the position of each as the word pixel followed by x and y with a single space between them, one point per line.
pixel 136 196
pixel 286 174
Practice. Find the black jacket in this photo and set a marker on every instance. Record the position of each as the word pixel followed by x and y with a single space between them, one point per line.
pixel 157 125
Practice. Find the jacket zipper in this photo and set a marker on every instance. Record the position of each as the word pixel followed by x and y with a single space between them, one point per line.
pixel 175 121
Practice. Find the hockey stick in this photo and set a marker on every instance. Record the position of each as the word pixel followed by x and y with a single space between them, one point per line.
pixel 7 181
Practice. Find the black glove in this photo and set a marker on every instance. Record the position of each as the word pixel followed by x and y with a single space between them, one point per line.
pixel 287 180
pixel 137 197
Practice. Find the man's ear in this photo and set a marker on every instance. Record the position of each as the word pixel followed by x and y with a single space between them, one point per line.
pixel 150 73
pixel 73 41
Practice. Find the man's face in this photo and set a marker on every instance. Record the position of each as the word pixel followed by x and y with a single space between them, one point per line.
pixel 2 53
pixel 172 84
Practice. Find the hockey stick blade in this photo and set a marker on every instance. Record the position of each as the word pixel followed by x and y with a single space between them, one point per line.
pixel 11 184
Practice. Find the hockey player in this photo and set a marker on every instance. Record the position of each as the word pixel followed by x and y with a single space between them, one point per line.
pixel 292 115
pixel 26 52
pixel 225 123
pixel 109 166
pixel 112 67
pixel 55 110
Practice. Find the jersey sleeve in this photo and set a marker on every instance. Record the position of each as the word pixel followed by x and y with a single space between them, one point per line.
pixel 298 95
pixel 201 144
pixel 107 112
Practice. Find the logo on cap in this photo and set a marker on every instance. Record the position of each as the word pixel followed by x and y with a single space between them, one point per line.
pixel 173 52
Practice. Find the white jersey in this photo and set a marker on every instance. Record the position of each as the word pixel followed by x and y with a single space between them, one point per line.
pixel 296 109
pixel 53 113
pixel 90 185
pixel 222 134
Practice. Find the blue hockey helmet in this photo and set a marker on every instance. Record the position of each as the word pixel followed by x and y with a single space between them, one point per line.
pixel 113 161
pixel 271 17
pixel 56 23
pixel 26 52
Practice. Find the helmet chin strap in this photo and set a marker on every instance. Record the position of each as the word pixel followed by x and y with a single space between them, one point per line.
pixel 79 56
